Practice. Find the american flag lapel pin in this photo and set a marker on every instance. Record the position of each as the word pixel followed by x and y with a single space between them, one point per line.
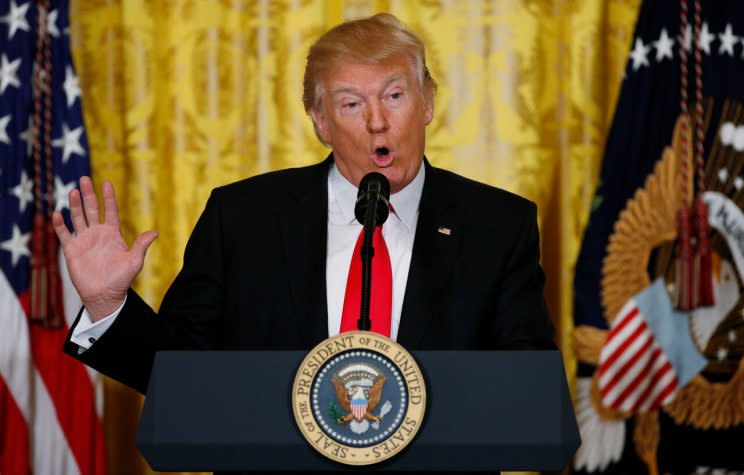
pixel 443 230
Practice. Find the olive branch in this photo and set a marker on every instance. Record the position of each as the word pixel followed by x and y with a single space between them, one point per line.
pixel 334 412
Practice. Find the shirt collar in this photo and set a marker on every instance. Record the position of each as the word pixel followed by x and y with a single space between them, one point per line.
pixel 342 198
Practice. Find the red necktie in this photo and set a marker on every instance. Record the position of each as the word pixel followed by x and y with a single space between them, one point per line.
pixel 380 306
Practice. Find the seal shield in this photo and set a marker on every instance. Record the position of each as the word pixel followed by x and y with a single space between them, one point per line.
pixel 359 398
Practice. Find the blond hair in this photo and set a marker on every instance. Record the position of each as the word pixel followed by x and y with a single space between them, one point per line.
pixel 375 39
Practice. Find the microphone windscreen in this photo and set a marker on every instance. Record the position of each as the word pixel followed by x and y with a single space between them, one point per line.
pixel 382 179
pixel 363 196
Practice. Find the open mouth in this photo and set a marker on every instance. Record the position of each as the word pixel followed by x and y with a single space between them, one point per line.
pixel 382 152
pixel 382 156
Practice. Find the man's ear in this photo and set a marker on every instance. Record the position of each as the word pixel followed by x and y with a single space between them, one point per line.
pixel 321 127
pixel 428 111
pixel 428 107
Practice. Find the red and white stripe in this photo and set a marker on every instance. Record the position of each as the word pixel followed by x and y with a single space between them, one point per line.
pixel 359 409
pixel 49 413
pixel 634 373
pixel 16 379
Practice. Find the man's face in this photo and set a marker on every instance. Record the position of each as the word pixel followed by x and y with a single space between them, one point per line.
pixel 373 116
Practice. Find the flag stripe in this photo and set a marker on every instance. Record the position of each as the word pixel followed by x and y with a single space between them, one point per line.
pixel 634 388
pixel 48 449
pixel 72 395
pixel 635 373
pixel 51 453
pixel 15 371
pixel 15 351
pixel 14 439
pixel 626 315
pixel 636 349
pixel 665 394
pixel 615 338
pixel 660 379
pixel 645 388
pixel 629 373
pixel 638 326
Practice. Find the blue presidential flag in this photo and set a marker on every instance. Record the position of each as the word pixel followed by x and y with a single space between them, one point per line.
pixel 630 241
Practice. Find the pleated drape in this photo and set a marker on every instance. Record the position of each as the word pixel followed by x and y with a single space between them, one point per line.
pixel 183 96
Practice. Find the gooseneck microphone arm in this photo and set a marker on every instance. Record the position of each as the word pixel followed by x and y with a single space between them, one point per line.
pixel 372 207
pixel 368 252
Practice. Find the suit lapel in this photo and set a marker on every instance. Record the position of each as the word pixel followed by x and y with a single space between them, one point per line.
pixel 304 228
pixel 434 249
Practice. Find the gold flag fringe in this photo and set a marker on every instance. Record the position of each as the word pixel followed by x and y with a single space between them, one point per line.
pixel 706 405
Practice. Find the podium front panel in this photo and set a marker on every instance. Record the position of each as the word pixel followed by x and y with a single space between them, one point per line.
pixel 231 410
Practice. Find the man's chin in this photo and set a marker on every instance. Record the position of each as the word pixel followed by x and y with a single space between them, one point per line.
pixel 396 178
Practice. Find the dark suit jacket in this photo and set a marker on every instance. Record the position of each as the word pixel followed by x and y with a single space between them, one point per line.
pixel 254 276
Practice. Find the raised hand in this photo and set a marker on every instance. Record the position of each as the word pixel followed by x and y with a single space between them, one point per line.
pixel 100 264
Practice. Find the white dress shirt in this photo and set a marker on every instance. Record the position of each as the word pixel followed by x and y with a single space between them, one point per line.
pixel 343 230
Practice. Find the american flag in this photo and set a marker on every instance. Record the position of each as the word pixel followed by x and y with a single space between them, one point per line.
pixel 648 355
pixel 50 414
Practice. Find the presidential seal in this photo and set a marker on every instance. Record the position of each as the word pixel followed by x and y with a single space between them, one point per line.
pixel 359 398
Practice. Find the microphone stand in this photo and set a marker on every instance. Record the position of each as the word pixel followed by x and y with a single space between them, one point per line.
pixel 368 251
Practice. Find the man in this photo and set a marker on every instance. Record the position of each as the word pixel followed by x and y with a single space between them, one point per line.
pixel 268 263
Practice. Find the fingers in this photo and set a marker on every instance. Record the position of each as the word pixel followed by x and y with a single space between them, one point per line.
pixel 141 244
pixel 90 201
pixel 111 209
pixel 63 234
pixel 76 212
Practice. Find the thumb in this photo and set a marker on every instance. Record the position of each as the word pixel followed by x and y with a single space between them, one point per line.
pixel 142 243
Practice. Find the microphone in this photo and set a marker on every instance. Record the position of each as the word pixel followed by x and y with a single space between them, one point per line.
pixel 372 200
pixel 371 210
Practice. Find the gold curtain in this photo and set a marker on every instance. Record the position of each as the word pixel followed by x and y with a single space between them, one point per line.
pixel 182 96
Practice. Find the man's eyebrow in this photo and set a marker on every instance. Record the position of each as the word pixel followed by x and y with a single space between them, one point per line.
pixel 345 90
pixel 351 90
pixel 392 79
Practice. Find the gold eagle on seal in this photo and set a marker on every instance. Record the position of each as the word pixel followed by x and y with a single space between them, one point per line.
pixel 357 402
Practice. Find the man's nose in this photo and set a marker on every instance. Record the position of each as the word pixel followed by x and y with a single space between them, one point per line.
pixel 376 118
